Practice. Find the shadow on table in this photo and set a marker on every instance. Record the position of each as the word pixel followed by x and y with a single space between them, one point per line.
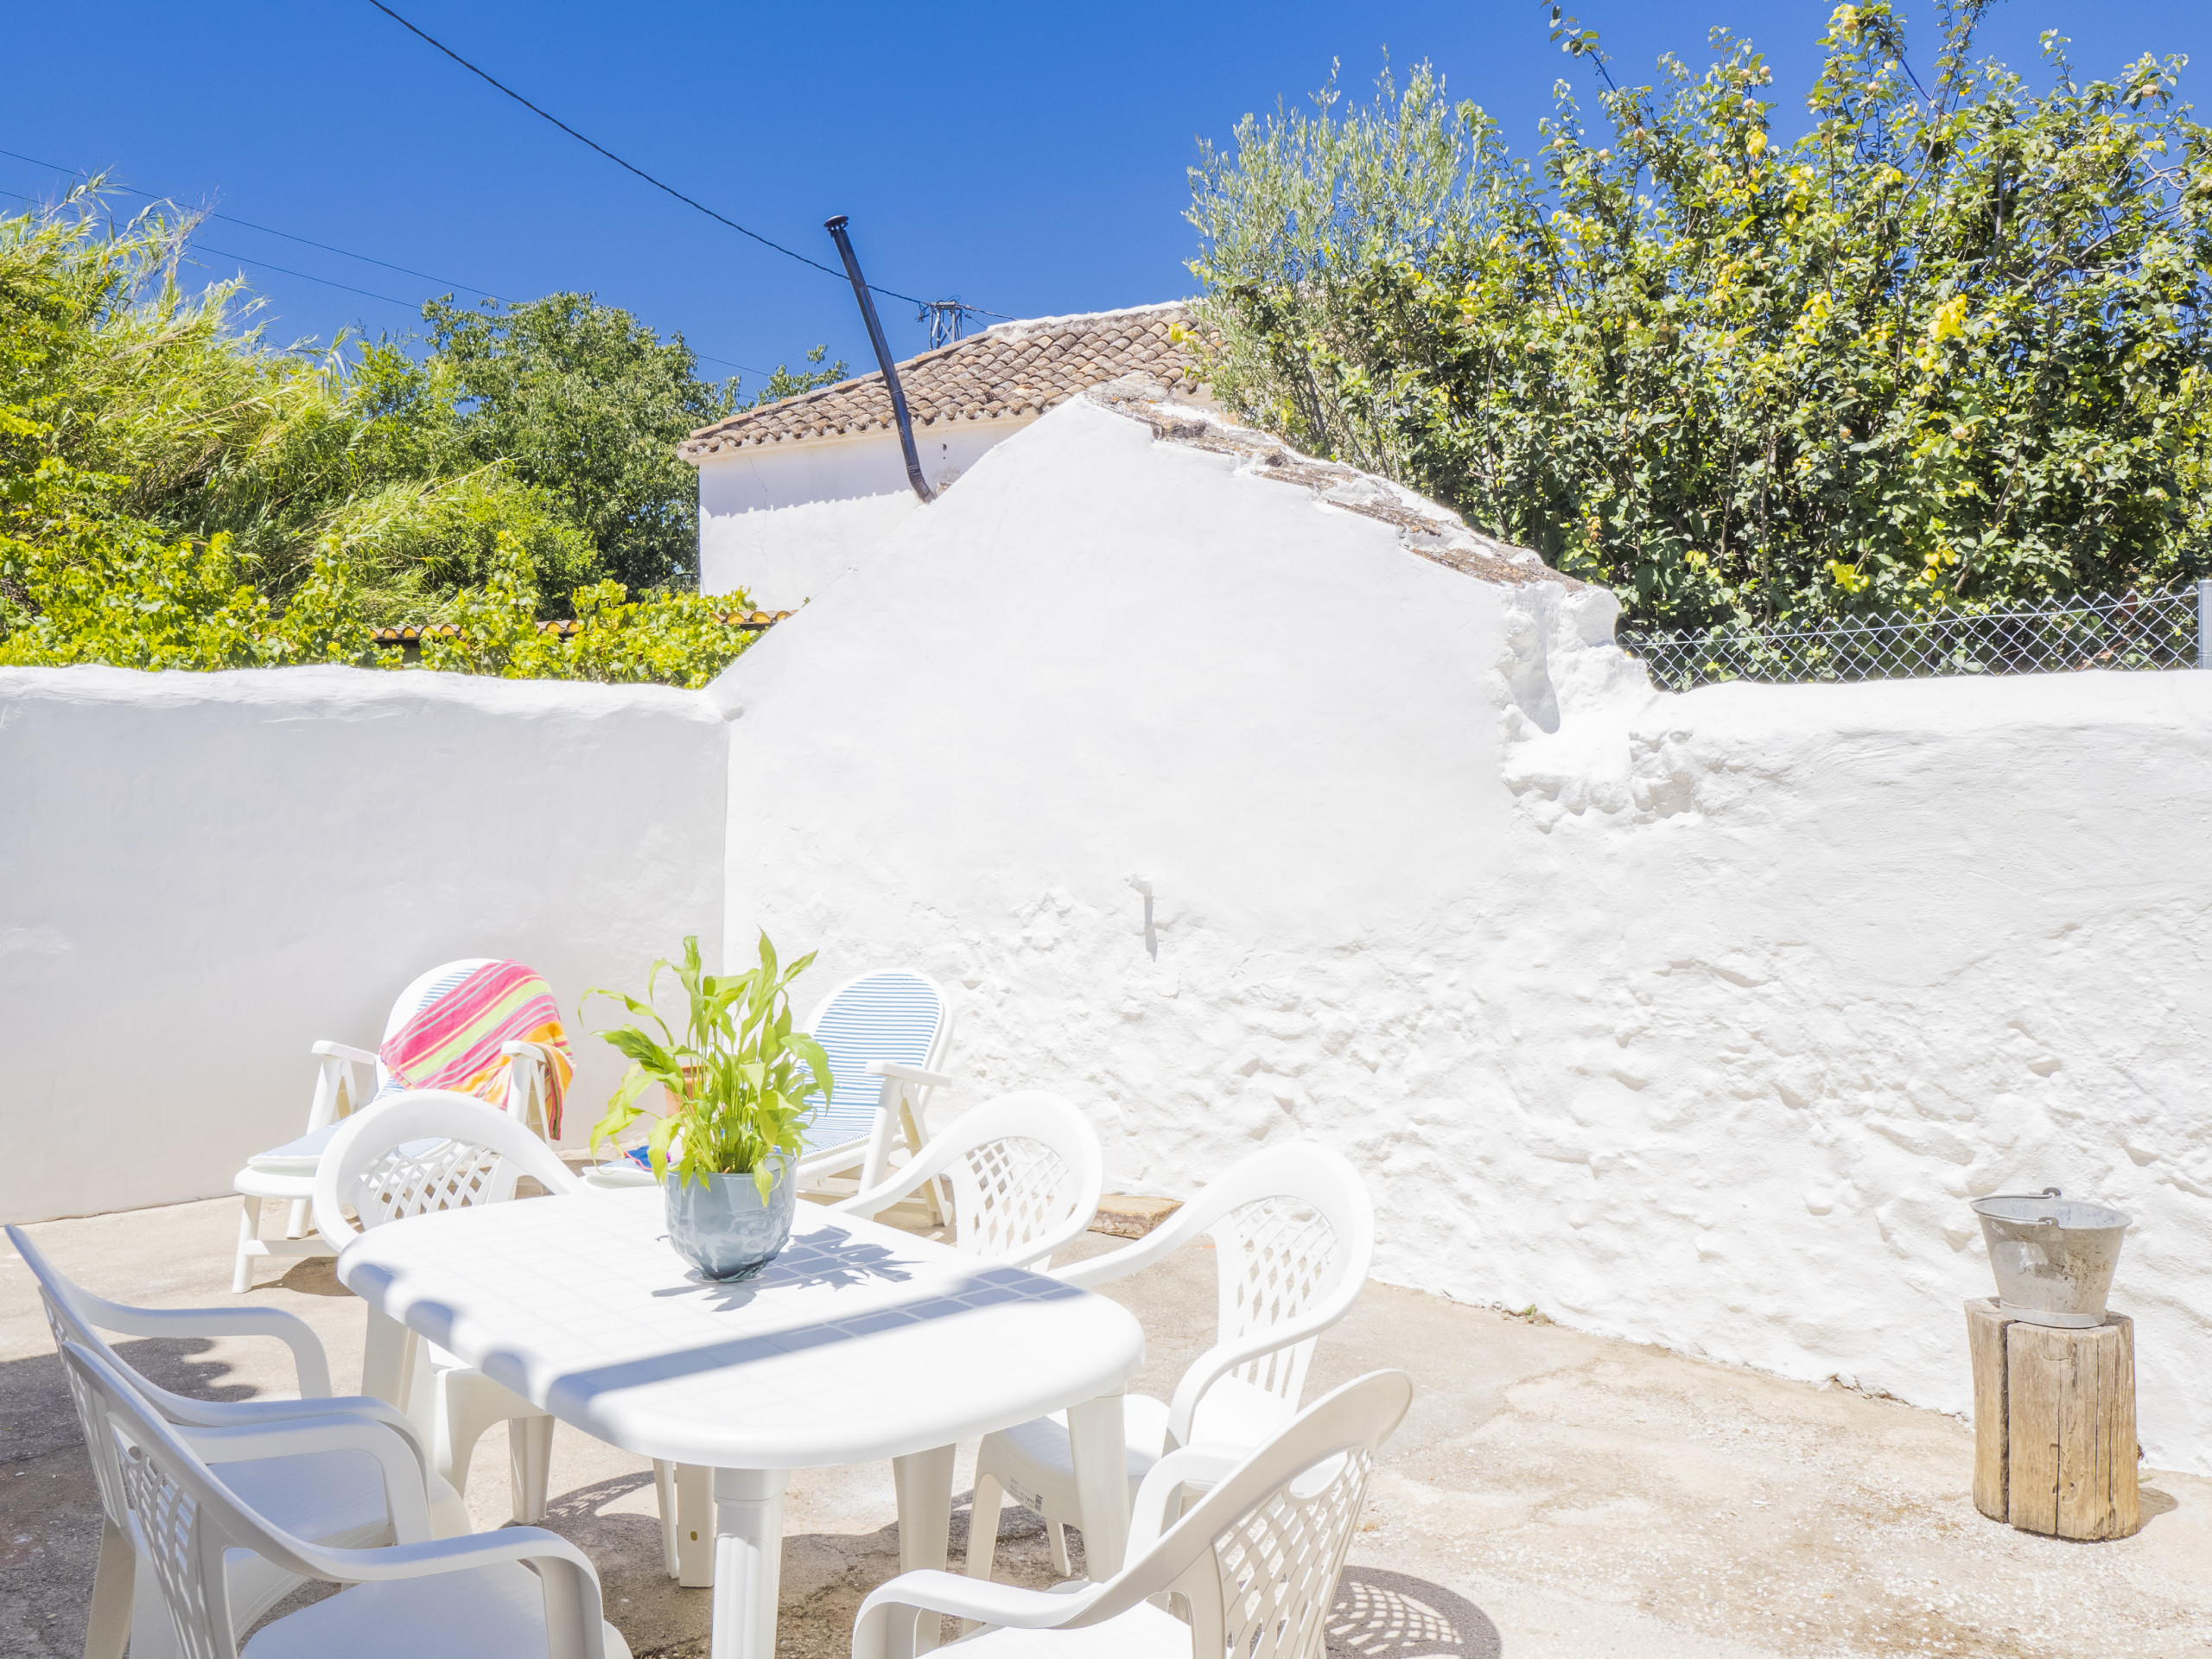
pixel 1383 1615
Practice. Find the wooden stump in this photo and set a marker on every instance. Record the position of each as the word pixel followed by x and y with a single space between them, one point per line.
pixel 2054 1424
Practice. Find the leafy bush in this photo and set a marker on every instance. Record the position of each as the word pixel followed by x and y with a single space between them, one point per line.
pixel 1947 348
pixel 673 639
pixel 176 492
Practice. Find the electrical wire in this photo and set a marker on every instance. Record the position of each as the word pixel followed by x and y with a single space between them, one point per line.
pixel 789 253
pixel 308 276
pixel 267 230
pixel 669 189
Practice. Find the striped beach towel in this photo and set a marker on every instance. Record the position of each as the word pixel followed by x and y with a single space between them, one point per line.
pixel 453 1040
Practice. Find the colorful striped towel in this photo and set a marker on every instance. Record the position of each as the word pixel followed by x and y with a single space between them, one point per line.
pixel 453 1041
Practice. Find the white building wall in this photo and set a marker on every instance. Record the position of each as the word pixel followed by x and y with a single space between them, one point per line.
pixel 201 875
pixel 1692 1019
pixel 785 521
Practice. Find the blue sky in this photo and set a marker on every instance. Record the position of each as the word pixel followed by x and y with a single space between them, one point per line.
pixel 1029 159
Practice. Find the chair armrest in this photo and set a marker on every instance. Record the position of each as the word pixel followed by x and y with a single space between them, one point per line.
pixel 905 1073
pixel 532 1546
pixel 574 1609
pixel 1159 1498
pixel 343 1052
pixel 521 1050
pixel 406 1493
pixel 1217 1361
pixel 930 1592
pixel 226 1414
pixel 295 1332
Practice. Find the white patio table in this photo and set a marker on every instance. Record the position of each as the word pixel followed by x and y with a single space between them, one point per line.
pixel 857 1343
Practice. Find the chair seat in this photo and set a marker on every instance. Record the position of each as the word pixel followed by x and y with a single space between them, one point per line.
pixel 335 1498
pixel 1143 1632
pixel 300 1157
pixel 486 1613
pixel 1036 1465
pixel 273 1183
pixel 295 1157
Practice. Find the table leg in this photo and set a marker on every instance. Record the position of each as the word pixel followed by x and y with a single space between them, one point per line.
pixel 1100 1447
pixel 695 1528
pixel 388 1360
pixel 748 1561
pixel 923 1480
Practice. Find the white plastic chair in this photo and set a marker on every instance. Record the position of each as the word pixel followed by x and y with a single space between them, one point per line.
pixel 508 1594
pixel 1253 1564
pixel 1026 1174
pixel 1294 1233
pixel 420 1151
pixel 346 1080
pixel 888 1035
pixel 349 1473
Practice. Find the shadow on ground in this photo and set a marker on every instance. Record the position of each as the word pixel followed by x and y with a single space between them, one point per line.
pixel 1383 1615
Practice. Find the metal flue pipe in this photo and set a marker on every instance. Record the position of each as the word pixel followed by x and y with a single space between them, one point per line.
pixel 836 228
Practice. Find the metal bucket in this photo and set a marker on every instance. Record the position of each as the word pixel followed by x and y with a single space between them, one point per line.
pixel 2054 1257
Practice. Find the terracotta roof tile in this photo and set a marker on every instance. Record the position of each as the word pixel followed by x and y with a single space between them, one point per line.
pixel 1016 369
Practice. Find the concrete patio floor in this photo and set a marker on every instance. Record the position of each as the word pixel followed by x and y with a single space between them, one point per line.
pixel 1550 1493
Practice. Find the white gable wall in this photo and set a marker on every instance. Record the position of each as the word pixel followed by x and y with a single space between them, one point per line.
pixel 1692 1019
pixel 783 521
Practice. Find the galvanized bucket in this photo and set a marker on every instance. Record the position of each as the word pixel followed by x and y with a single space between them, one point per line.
pixel 2054 1257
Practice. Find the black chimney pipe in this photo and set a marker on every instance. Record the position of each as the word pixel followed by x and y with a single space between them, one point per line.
pixel 836 229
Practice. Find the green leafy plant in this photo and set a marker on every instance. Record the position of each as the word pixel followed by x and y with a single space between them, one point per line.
pixel 736 1080
pixel 1947 348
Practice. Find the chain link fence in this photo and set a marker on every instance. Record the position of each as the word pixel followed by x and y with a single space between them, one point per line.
pixel 2168 630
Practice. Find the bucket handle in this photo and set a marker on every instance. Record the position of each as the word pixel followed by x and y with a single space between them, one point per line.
pixel 2048 1192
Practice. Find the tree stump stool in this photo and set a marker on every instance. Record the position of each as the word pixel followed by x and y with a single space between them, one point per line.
pixel 2054 1424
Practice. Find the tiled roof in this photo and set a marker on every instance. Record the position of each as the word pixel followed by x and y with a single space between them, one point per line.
pixel 410 635
pixel 1015 370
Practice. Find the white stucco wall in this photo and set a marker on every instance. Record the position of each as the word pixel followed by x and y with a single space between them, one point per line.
pixel 785 521
pixel 202 873
pixel 1689 1018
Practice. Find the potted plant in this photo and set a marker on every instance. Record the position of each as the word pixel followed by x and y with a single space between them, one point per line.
pixel 736 1082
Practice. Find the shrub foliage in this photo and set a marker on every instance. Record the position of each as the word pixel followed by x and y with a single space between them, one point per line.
pixel 176 491
pixel 1949 348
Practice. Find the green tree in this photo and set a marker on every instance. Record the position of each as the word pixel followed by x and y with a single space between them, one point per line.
pixel 582 400
pixel 1947 348
pixel 177 491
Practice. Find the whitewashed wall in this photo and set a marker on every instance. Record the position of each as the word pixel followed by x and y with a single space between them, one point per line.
pixel 202 873
pixel 785 521
pixel 1689 1018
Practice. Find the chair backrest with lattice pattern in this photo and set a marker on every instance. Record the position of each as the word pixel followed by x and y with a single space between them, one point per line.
pixel 1255 1560
pixel 1274 1258
pixel 424 1151
pixel 185 1518
pixel 1022 1168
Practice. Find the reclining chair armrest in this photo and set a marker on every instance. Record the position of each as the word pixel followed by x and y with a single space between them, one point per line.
pixel 344 1052
pixel 406 1490
pixel 926 1591
pixel 295 1332
pixel 905 1073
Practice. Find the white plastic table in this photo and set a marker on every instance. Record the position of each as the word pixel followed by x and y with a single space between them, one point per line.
pixel 859 1342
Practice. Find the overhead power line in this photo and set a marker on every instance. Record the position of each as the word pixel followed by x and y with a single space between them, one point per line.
pixel 669 189
pixel 310 276
pixel 269 230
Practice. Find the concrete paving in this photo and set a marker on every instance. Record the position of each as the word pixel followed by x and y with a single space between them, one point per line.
pixel 1550 1493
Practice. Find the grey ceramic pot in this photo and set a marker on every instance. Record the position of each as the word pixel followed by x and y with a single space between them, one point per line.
pixel 723 1229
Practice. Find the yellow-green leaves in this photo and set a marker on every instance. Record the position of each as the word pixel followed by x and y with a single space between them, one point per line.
pixel 1950 347
pixel 736 1079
